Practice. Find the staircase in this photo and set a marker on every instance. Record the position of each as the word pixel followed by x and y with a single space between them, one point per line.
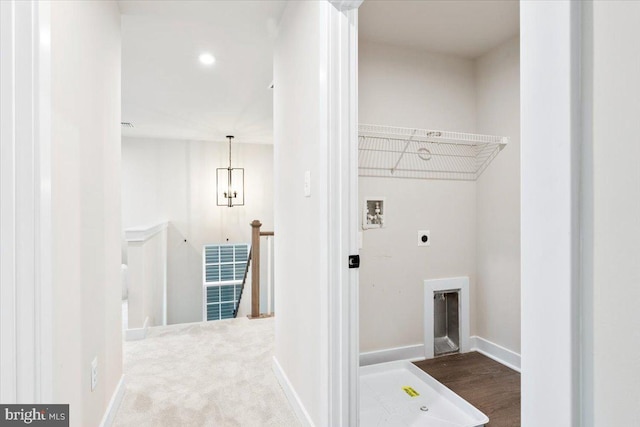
pixel 225 273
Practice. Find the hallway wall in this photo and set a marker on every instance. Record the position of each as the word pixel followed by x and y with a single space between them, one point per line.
pixel 175 181
pixel 612 311
pixel 85 194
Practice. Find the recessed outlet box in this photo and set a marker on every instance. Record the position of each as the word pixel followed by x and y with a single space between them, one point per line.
pixel 94 373
pixel 424 238
pixel 373 213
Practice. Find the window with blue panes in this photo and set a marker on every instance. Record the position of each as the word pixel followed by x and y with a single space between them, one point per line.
pixel 224 269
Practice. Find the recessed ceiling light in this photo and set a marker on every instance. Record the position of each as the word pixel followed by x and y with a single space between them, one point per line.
pixel 207 58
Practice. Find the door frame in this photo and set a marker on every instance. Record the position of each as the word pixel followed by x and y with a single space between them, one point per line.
pixel 26 347
pixel 549 77
pixel 343 317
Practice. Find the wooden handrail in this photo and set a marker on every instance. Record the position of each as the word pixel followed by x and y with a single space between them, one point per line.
pixel 255 266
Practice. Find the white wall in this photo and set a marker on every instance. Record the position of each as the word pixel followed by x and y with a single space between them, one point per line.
pixel 404 87
pixel 616 212
pixel 146 275
pixel 175 181
pixel 85 187
pixel 497 296
pixel 301 265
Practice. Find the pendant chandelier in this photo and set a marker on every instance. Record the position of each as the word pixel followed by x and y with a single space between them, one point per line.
pixel 230 184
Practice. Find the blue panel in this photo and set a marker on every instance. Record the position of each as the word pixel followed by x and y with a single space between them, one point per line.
pixel 226 253
pixel 227 293
pixel 240 269
pixel 212 254
pixel 213 312
pixel 213 294
pixel 226 310
pixel 226 272
pixel 242 252
pixel 212 273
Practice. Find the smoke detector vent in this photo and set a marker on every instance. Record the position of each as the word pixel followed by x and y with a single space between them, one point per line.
pixel 126 124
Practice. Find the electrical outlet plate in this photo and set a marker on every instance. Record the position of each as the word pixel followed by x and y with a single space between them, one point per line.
pixel 94 373
pixel 424 238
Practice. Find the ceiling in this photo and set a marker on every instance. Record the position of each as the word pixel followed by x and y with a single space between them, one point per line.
pixel 466 28
pixel 168 93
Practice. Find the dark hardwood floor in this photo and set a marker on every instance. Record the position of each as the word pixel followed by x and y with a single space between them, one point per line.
pixel 488 385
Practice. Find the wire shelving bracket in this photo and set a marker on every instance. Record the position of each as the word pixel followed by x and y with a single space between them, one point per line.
pixel 395 152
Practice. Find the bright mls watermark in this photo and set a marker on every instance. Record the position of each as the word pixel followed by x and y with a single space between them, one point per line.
pixel 34 415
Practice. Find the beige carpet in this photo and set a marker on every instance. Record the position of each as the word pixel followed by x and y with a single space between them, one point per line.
pixel 204 374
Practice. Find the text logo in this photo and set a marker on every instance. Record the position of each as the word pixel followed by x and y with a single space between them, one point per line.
pixel 34 415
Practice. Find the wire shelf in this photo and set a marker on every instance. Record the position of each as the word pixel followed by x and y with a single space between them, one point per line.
pixel 393 152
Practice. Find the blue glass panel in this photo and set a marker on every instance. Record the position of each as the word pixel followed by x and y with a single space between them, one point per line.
pixel 212 273
pixel 226 253
pixel 242 252
pixel 213 312
pixel 212 254
pixel 226 272
pixel 213 294
pixel 226 310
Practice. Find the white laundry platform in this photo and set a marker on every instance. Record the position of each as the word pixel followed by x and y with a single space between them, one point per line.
pixel 399 394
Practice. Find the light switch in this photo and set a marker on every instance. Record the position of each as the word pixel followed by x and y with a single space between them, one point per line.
pixel 307 184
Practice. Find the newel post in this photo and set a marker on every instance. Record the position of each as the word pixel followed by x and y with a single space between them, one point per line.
pixel 255 268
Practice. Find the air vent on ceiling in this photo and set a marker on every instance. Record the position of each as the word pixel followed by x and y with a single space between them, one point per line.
pixel 126 124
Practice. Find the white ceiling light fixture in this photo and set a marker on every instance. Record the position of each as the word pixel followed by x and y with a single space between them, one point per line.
pixel 230 184
pixel 206 58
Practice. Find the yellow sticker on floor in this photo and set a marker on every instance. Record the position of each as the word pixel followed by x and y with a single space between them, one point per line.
pixel 410 391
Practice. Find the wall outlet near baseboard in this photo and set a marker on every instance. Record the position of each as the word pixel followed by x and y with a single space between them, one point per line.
pixel 94 373
pixel 424 238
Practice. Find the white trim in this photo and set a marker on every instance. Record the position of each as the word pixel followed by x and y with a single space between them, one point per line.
pixel 500 354
pixel 25 208
pixel 550 206
pixel 346 5
pixel 436 285
pixel 342 306
pixel 136 334
pixel 412 353
pixel 114 404
pixel 291 394
pixel 144 233
pixel 44 231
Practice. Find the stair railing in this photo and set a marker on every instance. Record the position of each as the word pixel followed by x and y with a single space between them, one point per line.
pixel 255 268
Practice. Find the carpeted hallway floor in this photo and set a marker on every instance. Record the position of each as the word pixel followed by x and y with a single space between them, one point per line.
pixel 215 374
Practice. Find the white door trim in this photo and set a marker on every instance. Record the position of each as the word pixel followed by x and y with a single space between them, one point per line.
pixel 25 212
pixel 343 351
pixel 551 145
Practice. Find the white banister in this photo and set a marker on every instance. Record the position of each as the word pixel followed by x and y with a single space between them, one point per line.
pixel 147 273
pixel 269 278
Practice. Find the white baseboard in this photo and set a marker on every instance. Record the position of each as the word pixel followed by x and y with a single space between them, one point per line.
pixel 136 334
pixel 292 396
pixel 412 353
pixel 496 352
pixel 114 404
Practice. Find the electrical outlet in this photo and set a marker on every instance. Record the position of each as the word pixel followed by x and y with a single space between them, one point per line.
pixel 94 373
pixel 424 238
